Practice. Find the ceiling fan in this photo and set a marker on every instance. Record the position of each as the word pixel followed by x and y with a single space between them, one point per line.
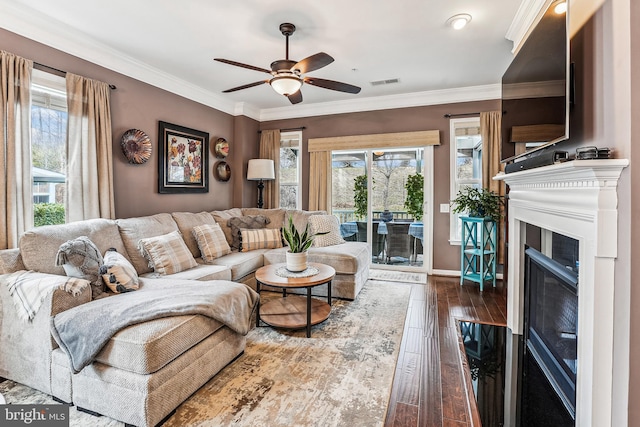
pixel 287 76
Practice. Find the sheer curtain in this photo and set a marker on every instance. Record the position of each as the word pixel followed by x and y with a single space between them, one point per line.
pixel 16 196
pixel 270 149
pixel 89 156
pixel 490 130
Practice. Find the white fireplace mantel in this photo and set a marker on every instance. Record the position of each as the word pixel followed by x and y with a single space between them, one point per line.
pixel 577 199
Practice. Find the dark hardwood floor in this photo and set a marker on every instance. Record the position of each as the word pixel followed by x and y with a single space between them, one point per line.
pixel 429 388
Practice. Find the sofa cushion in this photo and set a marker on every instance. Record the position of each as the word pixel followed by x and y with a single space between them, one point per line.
pixel 200 272
pixel 40 245
pixel 147 347
pixel 262 238
pixel 222 217
pixel 276 216
pixel 243 263
pixel 168 254
pixel 118 273
pixel 211 241
pixel 300 218
pixel 325 224
pixel 82 259
pixel 134 229
pixel 186 221
pixel 251 222
pixel 348 258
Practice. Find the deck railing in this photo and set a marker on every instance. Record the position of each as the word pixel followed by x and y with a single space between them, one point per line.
pixel 346 215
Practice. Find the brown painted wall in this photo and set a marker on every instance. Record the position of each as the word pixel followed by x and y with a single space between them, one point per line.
pixel 446 257
pixel 138 105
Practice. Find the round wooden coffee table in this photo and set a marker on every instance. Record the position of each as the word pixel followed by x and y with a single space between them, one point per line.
pixel 294 311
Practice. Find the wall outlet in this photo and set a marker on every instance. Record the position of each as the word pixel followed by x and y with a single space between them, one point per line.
pixel 444 208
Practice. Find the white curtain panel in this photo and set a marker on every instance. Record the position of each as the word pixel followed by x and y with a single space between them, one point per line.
pixel 89 155
pixel 16 192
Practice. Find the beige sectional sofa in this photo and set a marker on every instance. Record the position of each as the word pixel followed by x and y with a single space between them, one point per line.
pixel 146 370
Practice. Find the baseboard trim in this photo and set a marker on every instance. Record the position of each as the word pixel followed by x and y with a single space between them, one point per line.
pixel 455 273
pixel 447 273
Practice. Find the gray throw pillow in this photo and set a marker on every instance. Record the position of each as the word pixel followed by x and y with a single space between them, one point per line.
pixel 246 222
pixel 82 259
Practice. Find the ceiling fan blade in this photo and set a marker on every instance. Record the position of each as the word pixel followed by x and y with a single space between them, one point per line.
pixel 296 98
pixel 245 86
pixel 332 84
pixel 240 64
pixel 313 62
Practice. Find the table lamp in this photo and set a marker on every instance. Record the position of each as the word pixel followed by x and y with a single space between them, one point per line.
pixel 260 170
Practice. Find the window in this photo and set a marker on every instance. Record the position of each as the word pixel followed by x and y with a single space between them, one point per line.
pixel 48 147
pixel 290 170
pixel 466 164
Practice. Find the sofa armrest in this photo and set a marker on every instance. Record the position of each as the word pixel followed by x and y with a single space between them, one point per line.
pixel 10 261
pixel 26 346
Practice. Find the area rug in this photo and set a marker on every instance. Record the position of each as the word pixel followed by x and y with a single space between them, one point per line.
pixel 397 276
pixel 341 376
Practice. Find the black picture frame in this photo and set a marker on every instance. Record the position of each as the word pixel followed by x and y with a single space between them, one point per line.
pixel 183 159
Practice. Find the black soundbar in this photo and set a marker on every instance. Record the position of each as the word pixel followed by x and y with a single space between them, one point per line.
pixel 542 159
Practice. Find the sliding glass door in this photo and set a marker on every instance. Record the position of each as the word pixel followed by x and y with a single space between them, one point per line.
pixel 379 195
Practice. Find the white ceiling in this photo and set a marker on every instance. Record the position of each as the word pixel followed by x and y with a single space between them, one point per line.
pixel 172 44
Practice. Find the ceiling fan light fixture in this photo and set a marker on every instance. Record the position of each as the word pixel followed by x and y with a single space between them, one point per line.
pixel 286 85
pixel 459 21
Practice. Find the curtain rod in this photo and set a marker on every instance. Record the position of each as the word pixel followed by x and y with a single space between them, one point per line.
pixel 61 73
pixel 447 116
pixel 288 129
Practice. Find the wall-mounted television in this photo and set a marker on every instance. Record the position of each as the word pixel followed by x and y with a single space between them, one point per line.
pixel 536 88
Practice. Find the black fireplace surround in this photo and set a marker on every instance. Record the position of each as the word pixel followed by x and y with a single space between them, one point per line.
pixel 551 318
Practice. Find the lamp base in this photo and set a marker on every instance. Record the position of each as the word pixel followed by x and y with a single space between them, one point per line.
pixel 260 188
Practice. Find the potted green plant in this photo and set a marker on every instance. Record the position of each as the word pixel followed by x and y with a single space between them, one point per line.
pixel 478 202
pixel 415 196
pixel 298 243
pixel 360 196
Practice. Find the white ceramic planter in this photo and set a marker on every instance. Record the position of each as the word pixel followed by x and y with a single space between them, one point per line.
pixel 296 261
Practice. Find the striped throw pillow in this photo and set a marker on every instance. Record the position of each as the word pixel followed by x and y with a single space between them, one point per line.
pixel 167 254
pixel 260 238
pixel 211 241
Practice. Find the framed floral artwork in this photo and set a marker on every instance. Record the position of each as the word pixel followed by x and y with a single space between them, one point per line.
pixel 183 159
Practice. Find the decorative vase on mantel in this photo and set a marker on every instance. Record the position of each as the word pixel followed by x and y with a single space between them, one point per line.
pixel 296 261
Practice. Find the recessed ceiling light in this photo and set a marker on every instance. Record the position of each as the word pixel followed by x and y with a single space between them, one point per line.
pixel 560 8
pixel 458 22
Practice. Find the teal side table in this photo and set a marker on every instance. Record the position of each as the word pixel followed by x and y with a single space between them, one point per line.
pixel 478 250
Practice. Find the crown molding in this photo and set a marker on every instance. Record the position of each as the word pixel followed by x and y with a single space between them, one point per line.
pixel 527 14
pixel 416 99
pixel 38 27
pixel 248 110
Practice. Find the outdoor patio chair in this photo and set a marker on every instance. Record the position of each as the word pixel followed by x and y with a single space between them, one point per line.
pixel 398 242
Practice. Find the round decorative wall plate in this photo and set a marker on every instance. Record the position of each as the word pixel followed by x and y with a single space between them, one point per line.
pixel 136 146
pixel 221 148
pixel 222 171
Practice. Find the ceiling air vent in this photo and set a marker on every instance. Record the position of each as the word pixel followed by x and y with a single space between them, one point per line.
pixel 385 82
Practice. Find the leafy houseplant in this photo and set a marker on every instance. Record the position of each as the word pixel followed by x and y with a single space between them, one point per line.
pixel 298 243
pixel 360 196
pixel 476 202
pixel 415 196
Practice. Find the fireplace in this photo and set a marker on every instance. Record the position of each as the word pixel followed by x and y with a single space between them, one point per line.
pixel 551 323
pixel 576 199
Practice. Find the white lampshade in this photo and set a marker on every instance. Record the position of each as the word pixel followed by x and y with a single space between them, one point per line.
pixel 260 169
pixel 286 85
